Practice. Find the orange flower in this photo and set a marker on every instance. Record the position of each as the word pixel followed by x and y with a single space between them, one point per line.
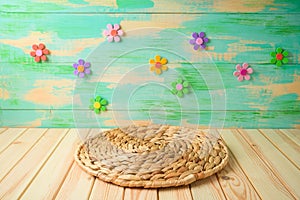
pixel 39 52
pixel 158 65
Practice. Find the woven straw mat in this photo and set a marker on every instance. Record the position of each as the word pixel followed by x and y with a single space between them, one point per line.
pixel 152 156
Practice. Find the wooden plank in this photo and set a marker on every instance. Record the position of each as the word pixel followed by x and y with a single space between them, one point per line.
pixel 77 185
pixel 293 134
pixel 54 170
pixel 8 136
pixel 255 169
pixel 153 6
pixel 112 119
pixel 235 184
pixel 13 185
pixel 208 188
pixel 231 46
pixel 2 130
pixel 17 149
pixel 287 173
pixel 140 194
pixel 106 191
pixel 284 144
pixel 175 193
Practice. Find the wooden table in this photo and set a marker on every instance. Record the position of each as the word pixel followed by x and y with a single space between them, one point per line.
pixel 38 163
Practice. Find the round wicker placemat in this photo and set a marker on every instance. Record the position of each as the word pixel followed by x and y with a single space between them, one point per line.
pixel 152 156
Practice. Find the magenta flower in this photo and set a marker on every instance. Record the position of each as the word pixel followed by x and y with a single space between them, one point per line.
pixel 113 32
pixel 82 68
pixel 243 72
pixel 199 40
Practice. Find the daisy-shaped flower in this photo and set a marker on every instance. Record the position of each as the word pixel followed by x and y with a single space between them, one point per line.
pixel 199 40
pixel 113 32
pixel 39 52
pixel 180 87
pixel 158 64
pixel 81 68
pixel 98 104
pixel 279 57
pixel 242 72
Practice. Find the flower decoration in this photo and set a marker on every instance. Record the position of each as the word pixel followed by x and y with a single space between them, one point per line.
pixel 81 68
pixel 158 65
pixel 199 40
pixel 39 52
pixel 279 57
pixel 180 87
pixel 242 72
pixel 113 32
pixel 98 104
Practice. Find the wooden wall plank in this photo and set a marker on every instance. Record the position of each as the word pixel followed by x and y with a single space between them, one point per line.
pixel 77 185
pixel 8 136
pixel 235 184
pixel 18 148
pixel 13 185
pixel 287 173
pixel 256 169
pixel 87 119
pixel 176 193
pixel 54 170
pixel 148 33
pixel 154 6
pixel 140 194
pixel 208 188
pixel 106 191
pixel 284 144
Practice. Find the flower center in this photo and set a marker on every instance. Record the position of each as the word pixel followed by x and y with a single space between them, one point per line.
pixel 97 105
pixel 158 65
pixel 39 52
pixel 80 68
pixel 243 72
pixel 179 86
pixel 199 41
pixel 279 56
pixel 113 33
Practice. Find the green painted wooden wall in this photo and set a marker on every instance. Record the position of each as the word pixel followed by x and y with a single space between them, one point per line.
pixel 48 94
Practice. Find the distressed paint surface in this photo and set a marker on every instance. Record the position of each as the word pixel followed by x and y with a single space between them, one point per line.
pixel 49 95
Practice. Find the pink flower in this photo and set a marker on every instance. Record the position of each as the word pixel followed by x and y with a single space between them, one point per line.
pixel 113 32
pixel 243 72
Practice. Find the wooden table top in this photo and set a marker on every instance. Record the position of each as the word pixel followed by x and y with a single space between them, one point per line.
pixel 38 163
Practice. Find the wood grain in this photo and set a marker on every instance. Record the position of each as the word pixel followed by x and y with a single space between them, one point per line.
pixel 77 184
pixel 284 144
pixel 208 188
pixel 54 170
pixel 293 134
pixel 287 173
pixel 106 191
pixel 178 193
pixel 13 184
pixel 235 184
pixel 18 148
pixel 8 136
pixel 254 167
pixel 139 194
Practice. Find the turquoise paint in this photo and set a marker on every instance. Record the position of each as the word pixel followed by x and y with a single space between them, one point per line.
pixel 134 4
pixel 251 36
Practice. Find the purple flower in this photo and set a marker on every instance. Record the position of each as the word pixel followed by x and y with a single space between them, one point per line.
pixel 81 68
pixel 199 40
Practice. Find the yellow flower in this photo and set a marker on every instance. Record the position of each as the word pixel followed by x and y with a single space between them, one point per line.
pixel 158 65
